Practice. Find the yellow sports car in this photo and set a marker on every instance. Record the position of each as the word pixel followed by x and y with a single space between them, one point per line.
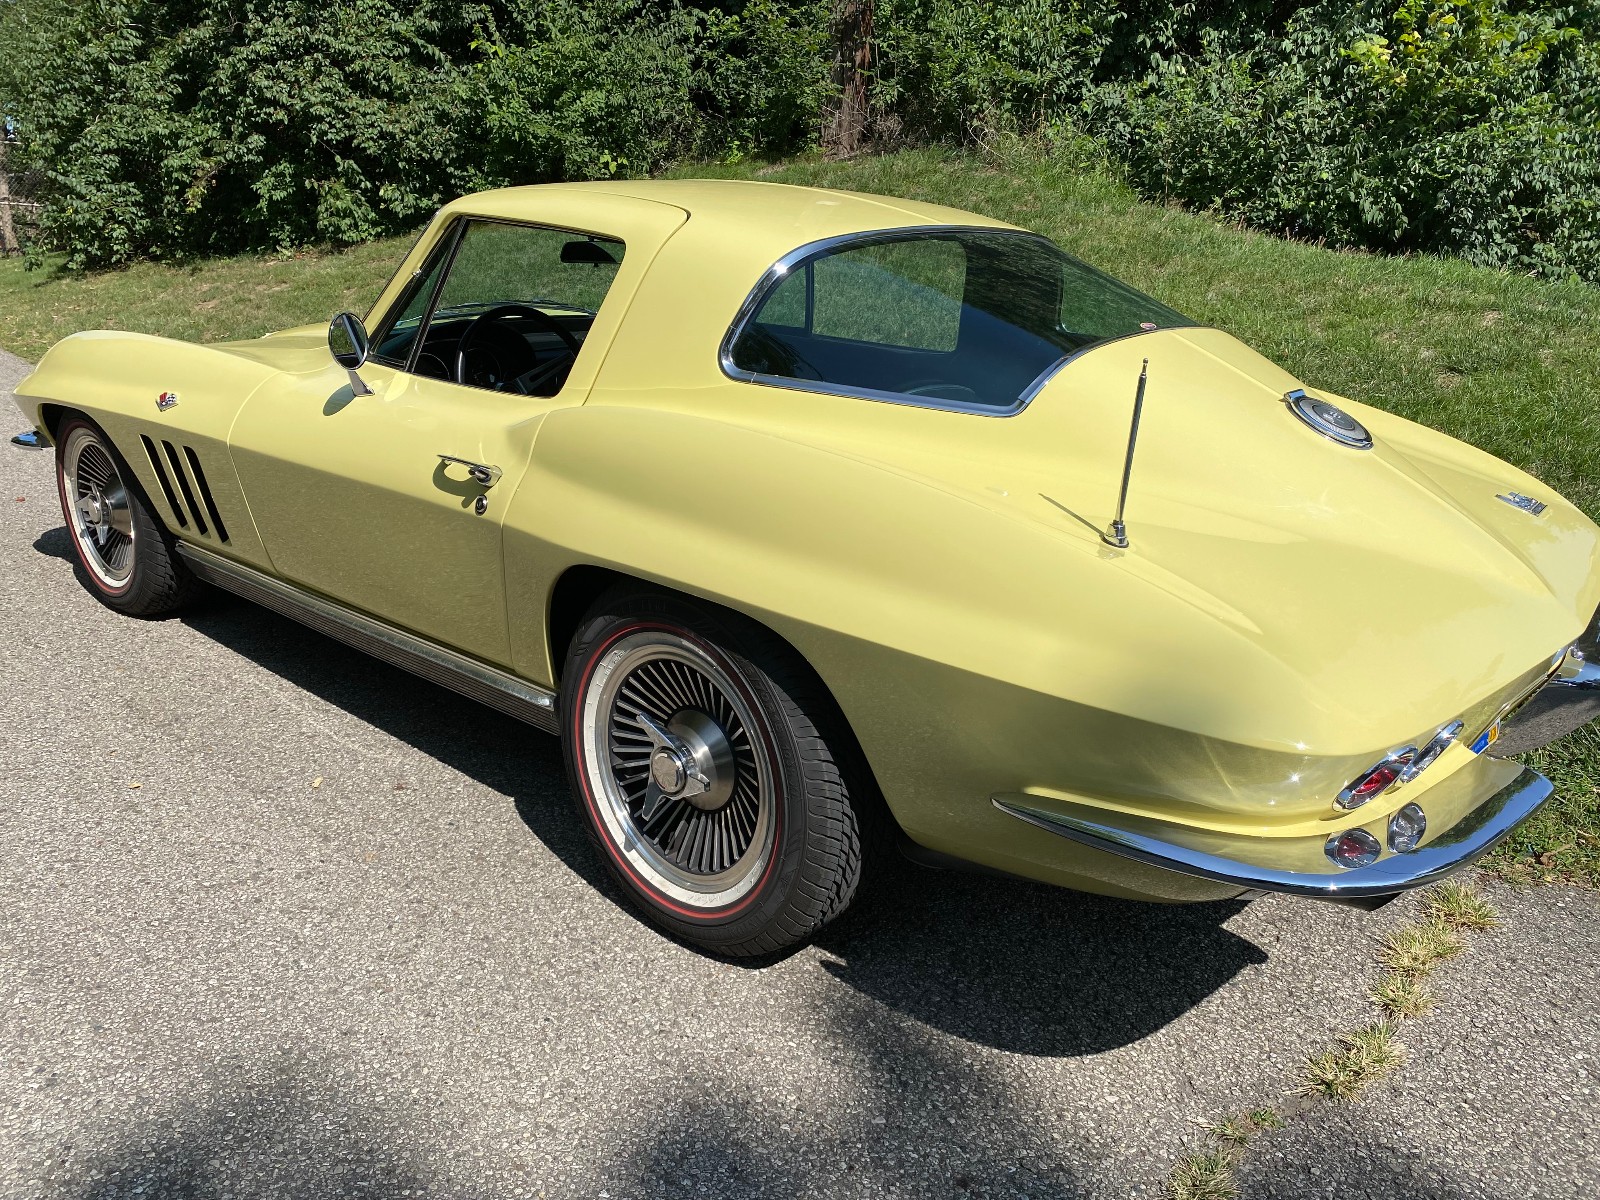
pixel 798 514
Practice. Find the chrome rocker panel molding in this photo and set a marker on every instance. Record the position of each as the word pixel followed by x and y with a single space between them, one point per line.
pixel 1472 836
pixel 476 680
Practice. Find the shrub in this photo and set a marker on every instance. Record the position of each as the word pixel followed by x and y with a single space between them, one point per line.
pixel 204 126
pixel 594 88
pixel 180 127
pixel 1464 126
pixel 170 128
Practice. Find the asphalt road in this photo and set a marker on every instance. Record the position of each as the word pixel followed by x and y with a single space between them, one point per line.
pixel 222 977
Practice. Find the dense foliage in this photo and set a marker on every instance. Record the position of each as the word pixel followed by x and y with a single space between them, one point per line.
pixel 1467 126
pixel 178 127
pixel 171 128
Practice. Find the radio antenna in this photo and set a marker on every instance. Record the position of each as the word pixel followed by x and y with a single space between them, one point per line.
pixel 1117 534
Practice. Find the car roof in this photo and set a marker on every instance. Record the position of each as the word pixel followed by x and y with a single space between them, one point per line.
pixel 769 218
pixel 731 198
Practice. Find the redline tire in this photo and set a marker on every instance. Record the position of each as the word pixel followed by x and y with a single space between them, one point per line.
pixel 125 552
pixel 694 749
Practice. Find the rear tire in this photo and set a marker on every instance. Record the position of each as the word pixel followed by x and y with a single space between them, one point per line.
pixel 123 548
pixel 695 748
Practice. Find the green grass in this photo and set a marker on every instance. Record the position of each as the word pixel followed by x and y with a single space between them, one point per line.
pixel 1203 1175
pixel 1403 994
pixel 1460 906
pixel 1509 363
pixel 1417 949
pixel 1362 1057
pixel 206 301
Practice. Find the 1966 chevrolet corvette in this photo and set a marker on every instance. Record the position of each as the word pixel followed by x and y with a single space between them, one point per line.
pixel 797 513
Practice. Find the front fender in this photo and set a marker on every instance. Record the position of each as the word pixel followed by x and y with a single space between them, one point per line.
pixel 116 378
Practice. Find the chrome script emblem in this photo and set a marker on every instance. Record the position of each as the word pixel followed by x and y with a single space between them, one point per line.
pixel 166 400
pixel 1526 503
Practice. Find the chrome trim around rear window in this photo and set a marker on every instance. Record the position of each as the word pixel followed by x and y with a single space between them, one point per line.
pixel 780 269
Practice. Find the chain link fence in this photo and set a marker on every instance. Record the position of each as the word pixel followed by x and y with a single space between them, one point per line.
pixel 19 210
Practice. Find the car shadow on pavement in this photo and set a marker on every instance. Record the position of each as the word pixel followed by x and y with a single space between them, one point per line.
pixel 1019 966
pixel 1030 968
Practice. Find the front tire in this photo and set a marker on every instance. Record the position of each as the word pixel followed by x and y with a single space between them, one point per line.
pixel 124 550
pixel 694 748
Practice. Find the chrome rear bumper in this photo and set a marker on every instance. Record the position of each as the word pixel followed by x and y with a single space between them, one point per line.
pixel 1472 836
pixel 1570 698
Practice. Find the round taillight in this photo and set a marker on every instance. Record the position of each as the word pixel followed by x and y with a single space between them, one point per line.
pixel 1437 745
pixel 1376 780
pixel 1353 848
pixel 1406 828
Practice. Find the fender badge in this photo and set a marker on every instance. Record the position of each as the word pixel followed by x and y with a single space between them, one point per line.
pixel 1526 503
pixel 168 399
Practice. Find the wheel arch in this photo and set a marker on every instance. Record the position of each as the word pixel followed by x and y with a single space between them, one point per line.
pixel 579 586
pixel 51 415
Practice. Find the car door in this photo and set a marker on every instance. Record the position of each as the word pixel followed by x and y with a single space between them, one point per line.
pixel 392 501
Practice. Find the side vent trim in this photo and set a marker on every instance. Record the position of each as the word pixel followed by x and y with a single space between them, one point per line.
pixel 183 486
pixel 166 484
pixel 205 493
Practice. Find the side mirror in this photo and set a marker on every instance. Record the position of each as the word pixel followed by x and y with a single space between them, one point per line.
pixel 348 343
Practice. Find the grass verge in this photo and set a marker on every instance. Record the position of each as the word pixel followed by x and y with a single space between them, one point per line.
pixel 1503 361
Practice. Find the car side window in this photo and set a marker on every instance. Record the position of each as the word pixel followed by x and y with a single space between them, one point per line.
pixel 963 319
pixel 514 307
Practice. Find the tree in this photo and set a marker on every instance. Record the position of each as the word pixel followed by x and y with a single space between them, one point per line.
pixel 852 75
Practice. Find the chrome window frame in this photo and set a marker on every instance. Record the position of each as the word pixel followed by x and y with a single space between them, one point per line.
pixel 778 271
pixel 454 233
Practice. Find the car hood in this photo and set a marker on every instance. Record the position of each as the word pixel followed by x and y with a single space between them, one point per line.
pixel 1391 581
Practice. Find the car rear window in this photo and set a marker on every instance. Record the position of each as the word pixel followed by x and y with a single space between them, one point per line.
pixel 963 319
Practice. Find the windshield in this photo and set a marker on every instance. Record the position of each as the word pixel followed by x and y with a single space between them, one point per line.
pixel 965 319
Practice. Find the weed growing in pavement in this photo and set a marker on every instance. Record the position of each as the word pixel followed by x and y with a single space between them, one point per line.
pixel 1403 994
pixel 1360 1056
pixel 1417 949
pixel 1460 906
pixel 1203 1175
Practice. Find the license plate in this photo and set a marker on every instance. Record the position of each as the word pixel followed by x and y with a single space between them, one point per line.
pixel 1487 738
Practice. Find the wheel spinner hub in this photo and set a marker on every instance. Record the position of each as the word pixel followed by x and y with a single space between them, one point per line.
pixel 92 508
pixel 693 761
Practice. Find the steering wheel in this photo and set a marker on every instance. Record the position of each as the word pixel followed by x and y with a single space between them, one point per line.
pixel 485 324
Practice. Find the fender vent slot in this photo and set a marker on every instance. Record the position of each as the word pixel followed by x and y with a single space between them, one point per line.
pixel 183 486
pixel 205 493
pixel 166 484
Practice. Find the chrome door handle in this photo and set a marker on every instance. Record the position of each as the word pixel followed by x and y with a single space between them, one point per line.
pixel 482 473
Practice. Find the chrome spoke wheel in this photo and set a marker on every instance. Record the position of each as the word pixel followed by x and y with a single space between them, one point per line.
pixel 98 509
pixel 674 754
